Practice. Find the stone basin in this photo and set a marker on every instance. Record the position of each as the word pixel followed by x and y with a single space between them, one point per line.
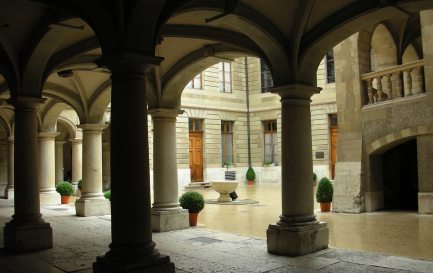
pixel 224 188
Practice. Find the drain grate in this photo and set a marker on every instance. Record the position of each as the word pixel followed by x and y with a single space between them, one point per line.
pixel 205 240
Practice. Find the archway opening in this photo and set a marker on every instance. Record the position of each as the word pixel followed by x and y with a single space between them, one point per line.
pixel 400 177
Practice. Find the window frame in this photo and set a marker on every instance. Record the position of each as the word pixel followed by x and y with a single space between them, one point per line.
pixel 222 77
pixel 226 130
pixel 330 66
pixel 270 128
pixel 191 84
pixel 265 76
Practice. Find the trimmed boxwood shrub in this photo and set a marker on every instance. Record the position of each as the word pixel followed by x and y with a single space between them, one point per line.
pixel 107 195
pixel 192 201
pixel 251 175
pixel 64 188
pixel 80 184
pixel 324 191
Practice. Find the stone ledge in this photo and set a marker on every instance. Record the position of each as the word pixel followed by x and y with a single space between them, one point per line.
pixel 168 220
pixel 92 207
pixel 297 240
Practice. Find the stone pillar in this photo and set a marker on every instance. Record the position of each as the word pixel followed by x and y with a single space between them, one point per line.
pixel 92 201
pixel 426 21
pixel 132 248
pixel 60 175
pixel 10 187
pixel 47 172
pixel 27 231
pixel 77 157
pixel 106 166
pixel 425 173
pixel 3 166
pixel 297 232
pixel 166 213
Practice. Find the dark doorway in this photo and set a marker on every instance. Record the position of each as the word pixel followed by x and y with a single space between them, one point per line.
pixel 400 177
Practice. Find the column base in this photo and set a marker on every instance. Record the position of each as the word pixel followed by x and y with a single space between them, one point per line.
pixel 9 193
pixel 27 237
pixel 425 202
pixel 159 264
pixel 92 207
pixel 167 220
pixel 297 240
pixel 51 198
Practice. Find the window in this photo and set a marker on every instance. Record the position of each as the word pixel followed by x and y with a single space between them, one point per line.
pixel 271 141
pixel 330 71
pixel 225 77
pixel 195 83
pixel 195 124
pixel 267 82
pixel 227 142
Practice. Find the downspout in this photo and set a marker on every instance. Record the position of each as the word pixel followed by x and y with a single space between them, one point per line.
pixel 247 92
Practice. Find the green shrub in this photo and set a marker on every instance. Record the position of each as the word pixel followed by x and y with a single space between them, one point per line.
pixel 80 184
pixel 314 177
pixel 324 191
pixel 64 188
pixel 192 201
pixel 107 195
pixel 251 175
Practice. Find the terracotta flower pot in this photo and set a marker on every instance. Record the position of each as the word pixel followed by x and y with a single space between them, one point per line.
pixel 250 182
pixel 65 199
pixel 193 218
pixel 324 207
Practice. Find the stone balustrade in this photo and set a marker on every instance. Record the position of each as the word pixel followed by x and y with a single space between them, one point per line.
pixel 394 82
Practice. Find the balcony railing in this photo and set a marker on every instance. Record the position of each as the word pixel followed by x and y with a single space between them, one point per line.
pixel 394 82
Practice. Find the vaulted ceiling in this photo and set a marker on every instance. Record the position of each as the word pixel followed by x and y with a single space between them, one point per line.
pixel 51 48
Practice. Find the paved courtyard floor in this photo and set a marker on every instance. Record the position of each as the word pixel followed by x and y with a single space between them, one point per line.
pixel 374 242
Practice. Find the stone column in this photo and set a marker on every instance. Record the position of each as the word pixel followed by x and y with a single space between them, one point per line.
pixel 166 213
pixel 92 201
pixel 77 157
pixel 297 232
pixel 10 187
pixel 425 174
pixel 27 231
pixel 60 175
pixel 106 166
pixel 47 172
pixel 3 166
pixel 132 248
pixel 426 21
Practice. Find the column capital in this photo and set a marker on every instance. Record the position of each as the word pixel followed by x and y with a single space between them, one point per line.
pixel 75 141
pixel 296 91
pixel 60 142
pixel 92 127
pixel 47 135
pixel 164 113
pixel 123 61
pixel 26 101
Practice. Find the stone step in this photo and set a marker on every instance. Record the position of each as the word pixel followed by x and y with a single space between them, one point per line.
pixel 198 186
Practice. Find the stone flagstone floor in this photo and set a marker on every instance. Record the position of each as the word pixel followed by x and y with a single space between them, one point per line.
pixel 77 241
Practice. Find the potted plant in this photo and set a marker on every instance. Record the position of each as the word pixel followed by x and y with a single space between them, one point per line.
pixel 65 190
pixel 324 194
pixel 194 203
pixel 251 176
pixel 107 195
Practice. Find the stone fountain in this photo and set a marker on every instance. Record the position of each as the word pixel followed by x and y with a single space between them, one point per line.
pixel 224 188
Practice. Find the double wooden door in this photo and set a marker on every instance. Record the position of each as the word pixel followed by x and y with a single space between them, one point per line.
pixel 196 156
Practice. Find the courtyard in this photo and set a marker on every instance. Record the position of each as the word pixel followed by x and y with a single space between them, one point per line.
pixel 232 238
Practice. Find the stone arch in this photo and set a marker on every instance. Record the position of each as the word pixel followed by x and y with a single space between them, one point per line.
pixel 383 48
pixel 375 151
pixel 389 141
pixel 410 54
pixel 175 80
pixel 69 125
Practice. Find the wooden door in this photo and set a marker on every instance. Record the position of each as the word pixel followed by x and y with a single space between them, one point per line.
pixel 334 138
pixel 196 156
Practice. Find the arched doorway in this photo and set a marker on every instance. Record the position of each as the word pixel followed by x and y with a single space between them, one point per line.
pixel 400 177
